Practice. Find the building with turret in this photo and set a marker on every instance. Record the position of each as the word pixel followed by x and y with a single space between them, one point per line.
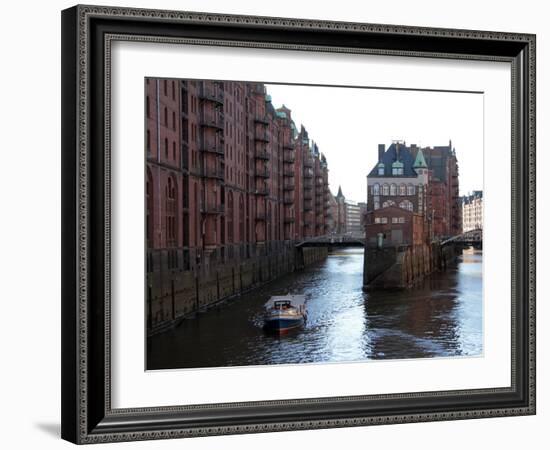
pixel 413 195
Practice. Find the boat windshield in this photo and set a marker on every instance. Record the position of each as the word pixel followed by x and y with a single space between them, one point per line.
pixel 282 305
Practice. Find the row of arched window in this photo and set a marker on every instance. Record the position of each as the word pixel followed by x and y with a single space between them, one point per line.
pixel 405 204
pixel 171 212
pixel 393 189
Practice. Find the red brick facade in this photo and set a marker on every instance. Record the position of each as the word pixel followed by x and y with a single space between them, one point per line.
pixel 418 181
pixel 397 226
pixel 228 175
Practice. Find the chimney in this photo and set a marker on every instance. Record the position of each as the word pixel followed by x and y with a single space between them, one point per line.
pixel 381 151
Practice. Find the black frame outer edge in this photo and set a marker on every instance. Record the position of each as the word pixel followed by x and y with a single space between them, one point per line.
pixel 98 422
pixel 69 294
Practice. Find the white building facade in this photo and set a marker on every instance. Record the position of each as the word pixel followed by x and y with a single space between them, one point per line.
pixel 472 211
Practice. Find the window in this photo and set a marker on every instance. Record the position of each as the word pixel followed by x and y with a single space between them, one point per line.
pixel 401 220
pixel 184 101
pixel 402 189
pixel 381 220
pixel 173 91
pixel 230 217
pixel 393 189
pixel 170 212
pixel 394 220
pixel 149 223
pixel 174 150
pixel 185 130
pixel 397 171
pixel 376 189
pixel 148 106
pixel 165 116
pixel 241 218
pixel 406 204
pixel 174 120
pixel 376 205
pixel 148 141
pixel 165 87
pixel 385 190
pixel 380 170
pixel 166 147
pixel 410 189
pixel 388 203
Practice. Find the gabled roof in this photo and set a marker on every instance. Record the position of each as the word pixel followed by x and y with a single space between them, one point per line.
pixel 389 157
pixel 433 158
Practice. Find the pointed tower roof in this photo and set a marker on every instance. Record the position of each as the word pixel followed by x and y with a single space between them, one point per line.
pixel 420 162
pixel 339 195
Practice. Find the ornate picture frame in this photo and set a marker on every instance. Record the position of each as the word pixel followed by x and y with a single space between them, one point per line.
pixel 88 33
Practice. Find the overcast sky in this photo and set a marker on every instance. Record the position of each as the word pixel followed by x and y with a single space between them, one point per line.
pixel 348 124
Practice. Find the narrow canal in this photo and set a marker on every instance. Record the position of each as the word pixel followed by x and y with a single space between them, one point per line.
pixel 442 317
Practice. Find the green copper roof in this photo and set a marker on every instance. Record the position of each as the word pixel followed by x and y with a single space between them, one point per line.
pixel 420 162
pixel 380 164
pixel 397 164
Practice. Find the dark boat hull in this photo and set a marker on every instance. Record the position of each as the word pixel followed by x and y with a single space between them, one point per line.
pixel 282 324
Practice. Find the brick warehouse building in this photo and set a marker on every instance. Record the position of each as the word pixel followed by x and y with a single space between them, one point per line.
pixel 229 179
pixel 413 195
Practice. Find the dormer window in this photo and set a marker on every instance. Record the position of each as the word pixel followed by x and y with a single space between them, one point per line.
pixel 397 168
pixel 381 168
pixel 397 171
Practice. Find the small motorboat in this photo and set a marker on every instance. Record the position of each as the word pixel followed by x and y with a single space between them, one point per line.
pixel 285 312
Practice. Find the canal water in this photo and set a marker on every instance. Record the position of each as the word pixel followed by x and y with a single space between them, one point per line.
pixel 440 318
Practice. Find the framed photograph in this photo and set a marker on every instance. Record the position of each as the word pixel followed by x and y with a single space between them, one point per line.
pixel 279 224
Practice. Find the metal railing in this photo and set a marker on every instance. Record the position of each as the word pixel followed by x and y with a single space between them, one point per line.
pixel 261 136
pixel 288 157
pixel 213 147
pixel 212 120
pixel 212 93
pixel 213 172
pixel 262 173
pixel 262 119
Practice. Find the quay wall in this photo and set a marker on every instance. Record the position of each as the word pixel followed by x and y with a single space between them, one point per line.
pixel 174 294
pixel 402 267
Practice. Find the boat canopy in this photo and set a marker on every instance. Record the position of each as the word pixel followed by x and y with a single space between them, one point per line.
pixel 295 300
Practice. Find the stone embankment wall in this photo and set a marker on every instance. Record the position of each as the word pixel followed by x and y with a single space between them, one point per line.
pixel 404 266
pixel 173 295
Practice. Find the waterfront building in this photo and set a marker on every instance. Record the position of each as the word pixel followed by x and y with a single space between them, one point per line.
pixel 229 178
pixel 353 218
pixel 472 211
pixel 413 195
